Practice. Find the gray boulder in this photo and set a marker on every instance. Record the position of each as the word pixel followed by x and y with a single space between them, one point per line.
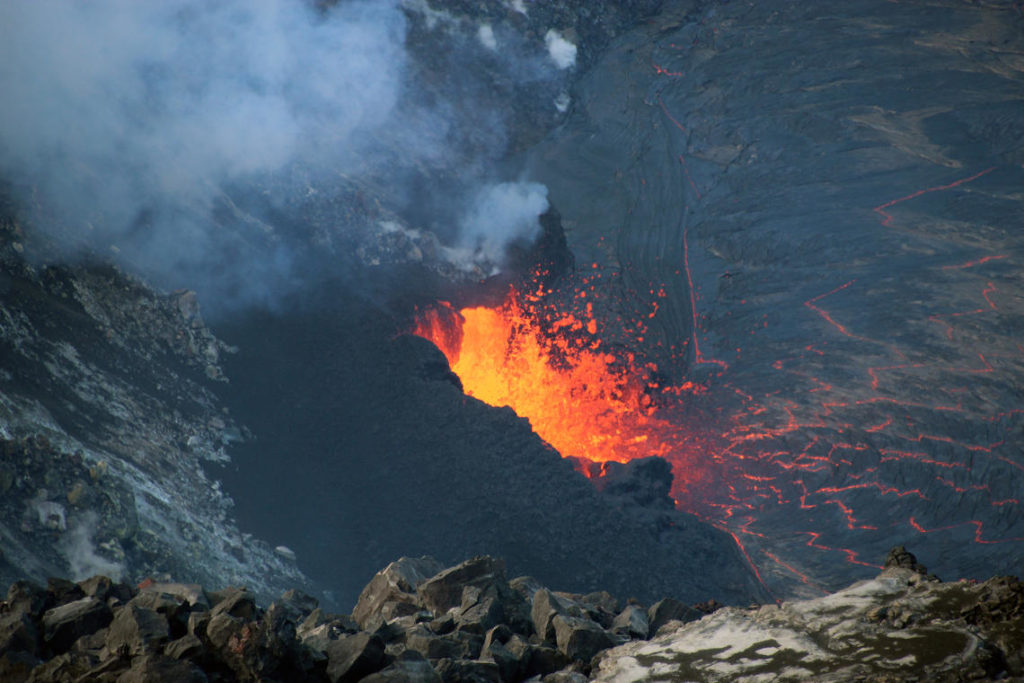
pixel 353 657
pixel 186 647
pixel 189 593
pixel 408 667
pixel 631 622
pixel 237 602
pixel 18 633
pixel 137 630
pixel 669 609
pixel 392 591
pixel 63 625
pixel 454 645
pixel 546 606
pixel 443 591
pixel 468 671
pixel 580 639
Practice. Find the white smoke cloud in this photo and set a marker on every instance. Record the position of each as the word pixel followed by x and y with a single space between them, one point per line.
pixel 485 34
pixel 561 51
pixel 133 121
pixel 116 108
pixel 83 560
pixel 501 214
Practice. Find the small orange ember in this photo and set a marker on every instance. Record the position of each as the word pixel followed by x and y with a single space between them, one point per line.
pixel 582 400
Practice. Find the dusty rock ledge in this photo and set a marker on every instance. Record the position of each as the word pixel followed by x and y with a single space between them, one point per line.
pixel 417 621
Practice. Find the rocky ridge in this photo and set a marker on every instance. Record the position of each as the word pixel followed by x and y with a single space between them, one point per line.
pixel 418 621
pixel 107 413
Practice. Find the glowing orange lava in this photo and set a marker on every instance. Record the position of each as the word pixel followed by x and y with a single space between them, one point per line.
pixel 582 400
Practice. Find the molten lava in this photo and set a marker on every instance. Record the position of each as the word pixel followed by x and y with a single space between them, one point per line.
pixel 584 401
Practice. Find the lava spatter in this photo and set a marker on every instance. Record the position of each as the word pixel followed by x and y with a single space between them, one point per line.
pixel 552 368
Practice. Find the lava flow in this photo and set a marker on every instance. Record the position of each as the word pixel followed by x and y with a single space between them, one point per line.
pixel 554 370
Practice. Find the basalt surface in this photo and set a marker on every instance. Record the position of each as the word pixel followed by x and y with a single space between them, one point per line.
pixel 419 621
pixel 829 200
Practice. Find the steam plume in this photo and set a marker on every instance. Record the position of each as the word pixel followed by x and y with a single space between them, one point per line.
pixel 129 119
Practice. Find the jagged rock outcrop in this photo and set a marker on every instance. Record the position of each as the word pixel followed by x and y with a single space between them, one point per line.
pixel 107 414
pixel 899 625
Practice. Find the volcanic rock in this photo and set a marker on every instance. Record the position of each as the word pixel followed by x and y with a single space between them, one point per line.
pixel 408 667
pixel 580 639
pixel 445 590
pixel 63 625
pixel 24 597
pixel 18 633
pixel 646 482
pixel 896 625
pixel 137 630
pixel 353 657
pixel 631 622
pixel 454 645
pixel 468 671
pixel 236 602
pixel 546 606
pixel 395 586
pixel 186 647
pixel 108 396
pixel 668 609
pixel 900 557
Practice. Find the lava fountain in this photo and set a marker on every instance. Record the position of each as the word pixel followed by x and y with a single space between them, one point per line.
pixel 552 368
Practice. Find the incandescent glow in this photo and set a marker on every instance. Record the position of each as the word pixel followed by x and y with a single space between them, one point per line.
pixel 584 401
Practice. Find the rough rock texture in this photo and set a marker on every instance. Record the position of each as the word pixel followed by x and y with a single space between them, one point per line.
pixel 898 626
pixel 107 413
pixel 829 196
pixel 397 460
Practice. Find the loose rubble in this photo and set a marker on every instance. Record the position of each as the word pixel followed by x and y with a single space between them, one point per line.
pixel 418 621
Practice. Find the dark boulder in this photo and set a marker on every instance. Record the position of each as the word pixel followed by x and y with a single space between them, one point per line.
pixel 392 591
pixel 352 658
pixel 647 482
pixel 221 628
pixel 468 671
pixel 105 589
pixel 454 645
pixel 601 606
pixel 61 591
pixel 157 668
pixel 508 651
pixel 580 639
pixel 63 625
pixel 18 633
pixel 542 660
pixel 64 668
pixel 481 609
pixel 408 667
pixel 443 591
pixel 16 666
pixel 24 597
pixel 631 622
pixel 186 647
pixel 900 557
pixel 137 630
pixel 548 605
pixel 669 609
pixel 189 593
pixel 236 602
